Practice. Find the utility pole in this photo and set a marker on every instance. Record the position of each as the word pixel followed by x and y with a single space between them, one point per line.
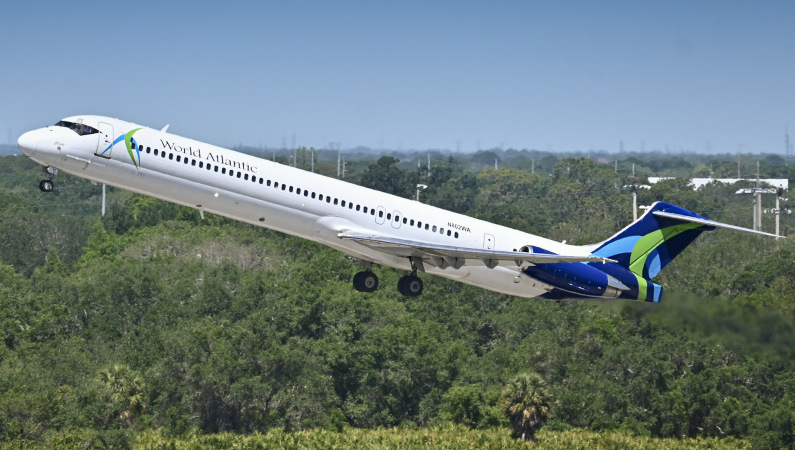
pixel 757 202
pixel 339 163
pixel 312 149
pixel 778 211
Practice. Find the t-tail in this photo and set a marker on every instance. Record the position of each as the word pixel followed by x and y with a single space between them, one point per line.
pixel 646 246
pixel 636 254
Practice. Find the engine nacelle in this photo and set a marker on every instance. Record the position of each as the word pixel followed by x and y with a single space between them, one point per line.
pixel 577 278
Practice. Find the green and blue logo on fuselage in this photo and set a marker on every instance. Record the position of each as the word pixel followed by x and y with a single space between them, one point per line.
pixel 131 145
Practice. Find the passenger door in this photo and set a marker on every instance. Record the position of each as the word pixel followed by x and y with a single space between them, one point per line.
pixel 105 140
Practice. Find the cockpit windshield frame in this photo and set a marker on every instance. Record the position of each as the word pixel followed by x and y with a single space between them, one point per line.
pixel 79 128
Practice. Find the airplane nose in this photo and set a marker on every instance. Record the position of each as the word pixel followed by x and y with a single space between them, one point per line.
pixel 28 142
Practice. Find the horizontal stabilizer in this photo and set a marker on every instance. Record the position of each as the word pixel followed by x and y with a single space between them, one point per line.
pixel 707 222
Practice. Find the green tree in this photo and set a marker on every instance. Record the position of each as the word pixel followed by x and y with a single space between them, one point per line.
pixel 525 400
pixel 386 176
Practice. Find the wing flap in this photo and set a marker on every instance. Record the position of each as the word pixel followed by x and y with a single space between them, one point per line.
pixel 444 256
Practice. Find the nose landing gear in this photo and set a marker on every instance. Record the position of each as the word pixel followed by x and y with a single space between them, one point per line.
pixel 47 185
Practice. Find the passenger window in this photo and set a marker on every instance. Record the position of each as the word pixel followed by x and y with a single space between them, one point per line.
pixel 364 208
pixel 448 232
pixel 419 224
pixel 291 189
pixel 171 156
pixel 223 171
pixel 412 222
pixel 239 174
pixel 155 152
pixel 388 216
pixel 215 168
pixel 456 235
pixel 350 205
pixel 434 228
pixel 336 201
pixel 372 212
pixel 306 193
pixel 147 148
pixel 404 221
pixel 276 185
pixel 245 177
pixel 441 230
pixel 343 203
pixel 284 186
pixel 163 154
pixel 328 199
pixel 193 162
pixel 268 183
pixel 397 218
pixel 298 191
pixel 427 226
pixel 261 180
pixel 178 158
pixel 358 207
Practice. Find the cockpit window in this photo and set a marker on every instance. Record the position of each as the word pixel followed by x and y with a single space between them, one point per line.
pixel 78 128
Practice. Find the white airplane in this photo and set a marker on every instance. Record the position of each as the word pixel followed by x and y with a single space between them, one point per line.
pixel 370 226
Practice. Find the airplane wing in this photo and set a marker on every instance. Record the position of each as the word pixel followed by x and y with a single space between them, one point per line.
pixel 444 256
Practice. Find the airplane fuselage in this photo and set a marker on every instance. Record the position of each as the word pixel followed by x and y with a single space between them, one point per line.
pixel 293 201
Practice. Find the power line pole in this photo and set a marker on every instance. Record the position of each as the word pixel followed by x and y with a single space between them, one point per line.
pixel 758 202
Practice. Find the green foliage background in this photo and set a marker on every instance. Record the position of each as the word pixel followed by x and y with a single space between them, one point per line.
pixel 152 325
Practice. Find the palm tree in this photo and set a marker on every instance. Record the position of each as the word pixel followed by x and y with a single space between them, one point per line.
pixel 525 400
pixel 127 390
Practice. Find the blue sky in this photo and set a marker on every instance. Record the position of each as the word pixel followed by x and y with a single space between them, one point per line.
pixel 547 75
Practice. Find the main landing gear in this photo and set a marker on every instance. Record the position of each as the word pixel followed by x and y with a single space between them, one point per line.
pixel 365 281
pixel 408 285
pixel 47 185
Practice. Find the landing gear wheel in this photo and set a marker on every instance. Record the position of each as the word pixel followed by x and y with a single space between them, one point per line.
pixel 365 281
pixel 410 286
pixel 46 185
